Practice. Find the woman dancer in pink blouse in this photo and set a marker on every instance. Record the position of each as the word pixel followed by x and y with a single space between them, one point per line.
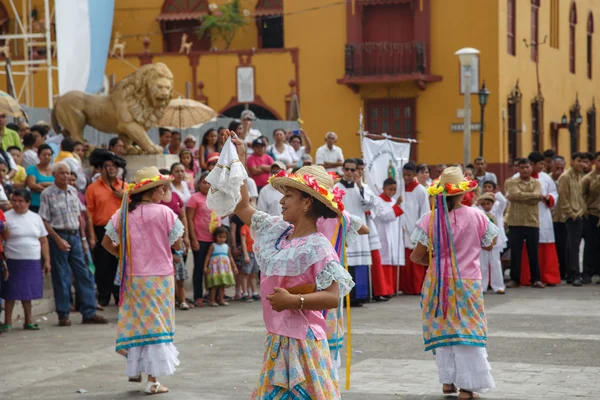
pixel 300 277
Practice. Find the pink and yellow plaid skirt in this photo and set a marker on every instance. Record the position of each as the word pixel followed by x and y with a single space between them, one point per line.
pixel 296 369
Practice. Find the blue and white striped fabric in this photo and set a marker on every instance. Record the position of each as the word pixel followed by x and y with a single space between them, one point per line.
pixel 83 30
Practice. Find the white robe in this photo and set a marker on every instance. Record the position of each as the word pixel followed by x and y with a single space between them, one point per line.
pixel 498 213
pixel 374 240
pixel 389 226
pixel 358 249
pixel 545 212
pixel 415 204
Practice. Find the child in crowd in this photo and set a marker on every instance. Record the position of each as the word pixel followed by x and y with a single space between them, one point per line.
pixel 190 144
pixel 191 168
pixel 249 267
pixel 18 180
pixel 498 212
pixel 219 267
pixel 470 197
pixel 6 184
pixel 491 266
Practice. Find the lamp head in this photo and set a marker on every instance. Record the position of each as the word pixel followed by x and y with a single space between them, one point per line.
pixel 564 119
pixel 467 56
pixel 484 93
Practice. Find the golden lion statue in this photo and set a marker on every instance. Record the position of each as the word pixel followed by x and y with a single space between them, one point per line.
pixel 135 105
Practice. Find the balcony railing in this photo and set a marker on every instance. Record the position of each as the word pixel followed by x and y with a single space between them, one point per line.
pixel 385 58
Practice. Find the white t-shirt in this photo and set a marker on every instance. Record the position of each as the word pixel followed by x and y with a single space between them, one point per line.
pixel 268 201
pixel 25 232
pixel 288 156
pixel 252 188
pixel 334 155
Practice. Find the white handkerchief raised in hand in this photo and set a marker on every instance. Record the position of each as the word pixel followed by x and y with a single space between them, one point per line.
pixel 226 180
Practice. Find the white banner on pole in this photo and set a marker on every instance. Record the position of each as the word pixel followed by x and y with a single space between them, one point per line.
pixel 384 159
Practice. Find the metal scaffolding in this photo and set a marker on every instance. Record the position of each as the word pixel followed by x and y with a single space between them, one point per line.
pixel 24 39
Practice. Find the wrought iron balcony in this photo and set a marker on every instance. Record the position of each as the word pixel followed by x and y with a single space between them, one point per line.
pixel 385 58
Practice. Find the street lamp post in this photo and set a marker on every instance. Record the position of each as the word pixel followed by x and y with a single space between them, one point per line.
pixel 467 57
pixel 484 93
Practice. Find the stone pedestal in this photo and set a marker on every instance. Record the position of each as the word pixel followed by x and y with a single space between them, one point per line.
pixel 160 161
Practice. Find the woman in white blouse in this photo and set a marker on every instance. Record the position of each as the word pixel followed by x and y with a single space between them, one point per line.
pixel 179 185
pixel 282 151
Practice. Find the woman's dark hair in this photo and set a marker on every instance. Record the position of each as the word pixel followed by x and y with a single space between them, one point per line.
pixel 318 209
pixel 220 230
pixel 136 199
pixel 173 166
pixel 24 193
pixel 452 202
pixel 205 136
pixel 191 164
pixel 44 147
pixel 162 131
pixel 233 125
pixel 11 148
pixel 200 179
pixel 164 171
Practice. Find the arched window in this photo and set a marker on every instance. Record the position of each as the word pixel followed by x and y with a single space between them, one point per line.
pixel 535 19
pixel 572 24
pixel 590 31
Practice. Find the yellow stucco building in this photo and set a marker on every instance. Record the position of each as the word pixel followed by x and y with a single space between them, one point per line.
pixel 392 59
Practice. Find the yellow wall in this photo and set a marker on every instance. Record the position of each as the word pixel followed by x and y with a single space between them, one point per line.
pixel 559 86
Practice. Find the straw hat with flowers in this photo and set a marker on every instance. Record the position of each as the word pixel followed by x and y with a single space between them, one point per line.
pixel 148 178
pixel 452 182
pixel 313 180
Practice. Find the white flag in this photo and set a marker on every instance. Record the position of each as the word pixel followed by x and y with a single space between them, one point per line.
pixel 384 159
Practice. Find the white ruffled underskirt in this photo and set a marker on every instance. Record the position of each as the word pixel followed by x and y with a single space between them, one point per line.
pixel 154 359
pixel 465 366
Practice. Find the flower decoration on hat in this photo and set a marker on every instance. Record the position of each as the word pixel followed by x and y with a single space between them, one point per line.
pixel 451 188
pixel 135 186
pixel 333 197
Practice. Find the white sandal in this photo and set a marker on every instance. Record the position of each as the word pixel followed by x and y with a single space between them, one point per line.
pixel 155 388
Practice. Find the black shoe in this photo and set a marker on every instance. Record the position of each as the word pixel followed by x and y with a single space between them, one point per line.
pixel 381 298
pixel 577 282
pixel 586 280
pixel 569 281
pixel 356 304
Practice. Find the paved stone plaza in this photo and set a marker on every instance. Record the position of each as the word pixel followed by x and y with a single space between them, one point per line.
pixel 543 344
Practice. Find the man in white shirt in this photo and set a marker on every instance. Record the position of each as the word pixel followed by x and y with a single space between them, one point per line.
pixel 249 134
pixel 329 155
pixel 269 198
